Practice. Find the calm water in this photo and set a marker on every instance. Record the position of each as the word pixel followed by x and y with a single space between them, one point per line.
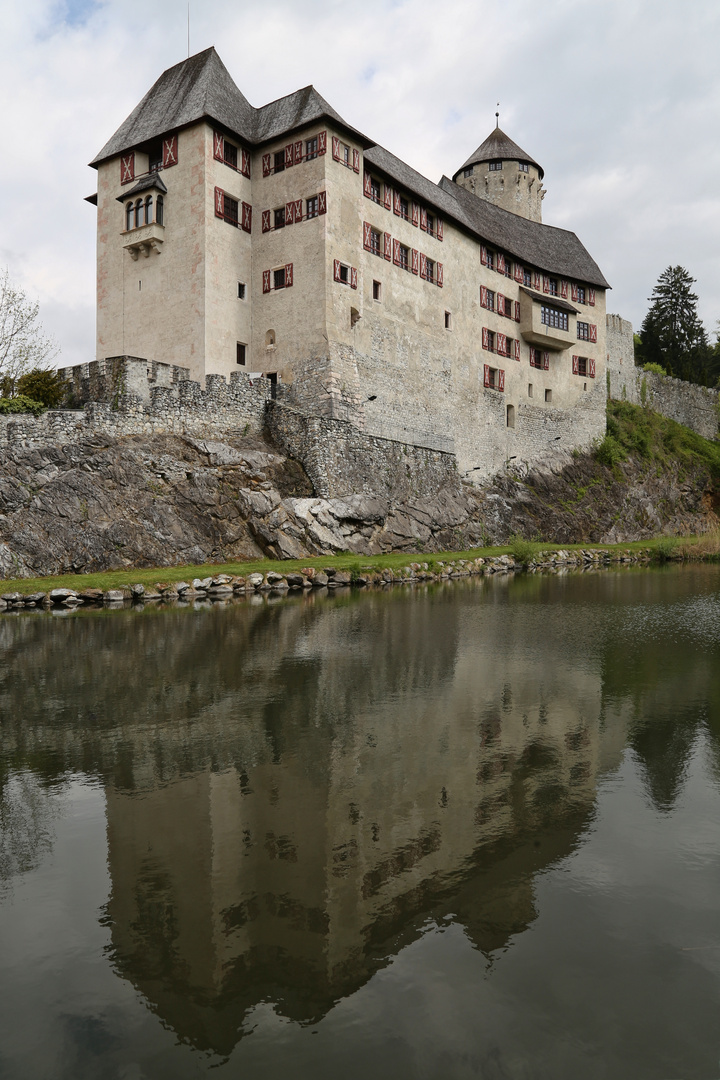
pixel 465 831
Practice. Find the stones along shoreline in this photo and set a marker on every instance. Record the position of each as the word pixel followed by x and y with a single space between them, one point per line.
pixel 223 587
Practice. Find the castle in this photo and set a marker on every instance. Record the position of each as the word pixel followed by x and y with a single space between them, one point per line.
pixel 283 241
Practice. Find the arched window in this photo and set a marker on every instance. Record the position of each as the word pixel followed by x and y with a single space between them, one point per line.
pixel 159 210
pixel 148 210
pixel 270 339
pixel 129 216
pixel 139 214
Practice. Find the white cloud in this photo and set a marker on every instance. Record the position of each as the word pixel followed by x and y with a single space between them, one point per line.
pixel 618 99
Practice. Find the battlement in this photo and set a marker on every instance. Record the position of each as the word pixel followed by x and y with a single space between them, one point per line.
pixel 121 376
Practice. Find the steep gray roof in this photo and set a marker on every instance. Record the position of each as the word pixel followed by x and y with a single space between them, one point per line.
pixel 145 183
pixel 557 251
pixel 202 87
pixel 499 147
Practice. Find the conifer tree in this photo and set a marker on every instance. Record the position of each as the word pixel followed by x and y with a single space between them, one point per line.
pixel 672 334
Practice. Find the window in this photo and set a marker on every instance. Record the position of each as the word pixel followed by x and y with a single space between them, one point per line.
pixel 551 316
pixel 148 209
pixel 279 278
pixel 535 358
pixel 241 349
pixel 490 300
pixel 582 366
pixel 312 207
pixel 553 286
pixel 403 255
pixel 241 290
pixel 468 171
pixel 375 194
pixel 377 290
pixel 230 155
pixel 492 377
pixel 430 270
pixel 280 218
pixel 231 210
pixel 548 395
pixel 346 155
pixel 279 161
pixel 530 389
pixel 527 279
pixel 510 416
pixel 431 224
pixel 508 268
pixel 139 214
pixel 129 216
pixel 159 210
pixel 311 149
pixel 523 166
pixel 404 208
pixel 344 274
pixel 495 166
pixel 375 242
pixel 448 320
pixel 581 294
pixel 491 340
pixel 270 339
pixel 491 259
pixel 155 156
pixel 583 331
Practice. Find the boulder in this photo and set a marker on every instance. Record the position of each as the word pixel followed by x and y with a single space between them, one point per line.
pixel 137 590
pixel 255 580
pixel 319 579
pixel 111 595
pixel 59 595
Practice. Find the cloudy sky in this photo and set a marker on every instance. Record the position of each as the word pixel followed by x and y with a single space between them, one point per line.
pixel 619 100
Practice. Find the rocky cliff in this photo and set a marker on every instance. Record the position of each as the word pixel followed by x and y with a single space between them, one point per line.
pixel 104 502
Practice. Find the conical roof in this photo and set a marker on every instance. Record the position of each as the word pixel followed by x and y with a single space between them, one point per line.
pixel 499 147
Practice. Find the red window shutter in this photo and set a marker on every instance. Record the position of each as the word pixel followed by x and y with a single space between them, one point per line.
pixel 439 269
pixel 388 197
pixel 593 332
pixel 396 203
pixel 486 367
pixel 415 261
pixel 517 349
pixel 483 296
pixel 266 281
pixel 353 277
pixel 546 361
pixel 519 276
pixel 500 304
pixel 247 217
pixel 423 219
pixel 289 156
pixel 564 289
pixel 485 340
pixel 266 164
pixel 266 221
pixel 289 213
pixel 546 284
pixel 517 311
pixel 367 185
pixel 367 235
pixel 298 210
pixel 170 152
pixel 501 380
pixel 335 148
pixel 396 252
pixel 298 152
pixel 336 270
pixel 574 292
pixel 245 168
pixel 388 246
pixel 219 202
pixel 322 202
pixel 322 142
pixel 591 368
pixel 591 298
pixel 500 264
pixel 288 275
pixel 415 214
pixel 127 168
pixel 218 146
pixel 356 161
pixel 576 365
pixel 537 280
pixel 501 342
pixel 483 255
pixel 423 265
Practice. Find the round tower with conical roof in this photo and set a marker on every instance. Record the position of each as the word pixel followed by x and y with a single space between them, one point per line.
pixel 502 173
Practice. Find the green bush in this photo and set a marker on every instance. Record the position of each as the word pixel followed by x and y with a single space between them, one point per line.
pixel 656 369
pixel 609 452
pixel 47 387
pixel 21 404
pixel 664 548
pixel 523 551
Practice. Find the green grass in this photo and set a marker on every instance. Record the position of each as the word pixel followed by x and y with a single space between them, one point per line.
pixel 643 434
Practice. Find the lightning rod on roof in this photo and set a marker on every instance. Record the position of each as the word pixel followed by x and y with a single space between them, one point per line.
pixel 497 114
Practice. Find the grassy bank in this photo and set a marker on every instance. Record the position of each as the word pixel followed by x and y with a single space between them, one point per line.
pixel 633 431
pixel 660 549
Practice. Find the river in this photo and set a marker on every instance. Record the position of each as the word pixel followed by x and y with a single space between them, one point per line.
pixel 460 830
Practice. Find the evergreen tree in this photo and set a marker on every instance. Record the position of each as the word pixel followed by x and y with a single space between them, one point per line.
pixel 672 334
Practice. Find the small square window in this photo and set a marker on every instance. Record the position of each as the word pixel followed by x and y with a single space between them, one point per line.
pixel 548 395
pixel 344 274
pixel 241 353
pixel 241 290
pixel 377 290
pixel 279 278
pixel 448 320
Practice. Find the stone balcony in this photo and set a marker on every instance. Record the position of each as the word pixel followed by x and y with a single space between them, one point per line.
pixel 146 239
pixel 536 332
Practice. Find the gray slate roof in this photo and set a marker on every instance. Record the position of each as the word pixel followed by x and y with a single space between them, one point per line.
pixel 202 87
pixel 499 147
pixel 556 251
pixel 145 183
